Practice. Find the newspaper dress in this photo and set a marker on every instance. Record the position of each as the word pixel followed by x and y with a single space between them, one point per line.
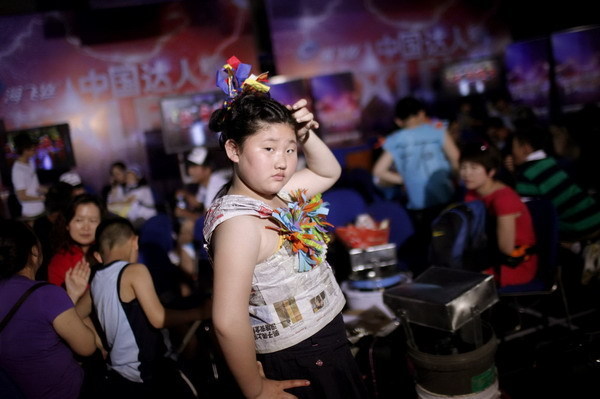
pixel 294 291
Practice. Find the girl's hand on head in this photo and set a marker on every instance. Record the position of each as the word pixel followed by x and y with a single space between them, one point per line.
pixel 304 119
pixel 77 278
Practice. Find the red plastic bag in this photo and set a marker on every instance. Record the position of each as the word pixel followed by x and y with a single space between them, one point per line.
pixel 360 237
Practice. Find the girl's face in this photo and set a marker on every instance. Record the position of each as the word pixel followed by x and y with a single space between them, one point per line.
pixel 117 174
pixel 131 179
pixel 474 175
pixel 267 160
pixel 82 227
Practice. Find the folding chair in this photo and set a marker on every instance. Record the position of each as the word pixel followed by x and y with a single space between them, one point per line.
pixel 345 205
pixel 401 227
pixel 548 277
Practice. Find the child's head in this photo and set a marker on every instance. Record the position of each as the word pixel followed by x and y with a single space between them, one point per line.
pixel 23 142
pixel 115 234
pixel 200 163
pixel 408 107
pixel 527 140
pixel 248 114
pixel 259 137
pixel 134 176
pixel 117 172
pixel 479 162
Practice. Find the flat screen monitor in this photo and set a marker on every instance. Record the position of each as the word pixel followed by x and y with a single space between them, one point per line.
pixel 577 66
pixel 53 154
pixel 337 108
pixel 185 120
pixel 290 91
pixel 528 73
pixel 471 77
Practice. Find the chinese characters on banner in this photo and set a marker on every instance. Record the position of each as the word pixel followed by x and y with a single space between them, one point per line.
pixel 392 48
pixel 109 93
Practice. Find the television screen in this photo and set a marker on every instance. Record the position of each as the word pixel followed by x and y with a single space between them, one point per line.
pixel 185 120
pixel 528 73
pixel 577 66
pixel 53 156
pixel 290 91
pixel 471 77
pixel 337 108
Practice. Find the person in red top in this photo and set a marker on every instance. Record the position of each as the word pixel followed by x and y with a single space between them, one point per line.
pixel 514 231
pixel 73 235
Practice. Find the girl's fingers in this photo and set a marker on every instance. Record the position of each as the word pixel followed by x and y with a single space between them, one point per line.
pixel 299 104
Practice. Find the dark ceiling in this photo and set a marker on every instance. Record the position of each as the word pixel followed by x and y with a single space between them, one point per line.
pixel 525 18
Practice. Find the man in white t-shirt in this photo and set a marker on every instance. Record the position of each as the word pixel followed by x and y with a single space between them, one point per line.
pixel 25 181
pixel 203 168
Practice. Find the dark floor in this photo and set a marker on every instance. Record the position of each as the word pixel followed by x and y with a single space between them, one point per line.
pixel 533 359
pixel 536 357
pixel 555 361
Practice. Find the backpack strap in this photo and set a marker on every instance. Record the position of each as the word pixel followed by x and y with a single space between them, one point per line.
pixel 17 305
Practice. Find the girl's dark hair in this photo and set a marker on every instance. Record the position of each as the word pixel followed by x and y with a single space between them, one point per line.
pixel 16 241
pixel 482 153
pixel 61 238
pixel 118 164
pixel 248 114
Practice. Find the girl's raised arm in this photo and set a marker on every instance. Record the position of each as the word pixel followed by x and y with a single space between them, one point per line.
pixel 322 168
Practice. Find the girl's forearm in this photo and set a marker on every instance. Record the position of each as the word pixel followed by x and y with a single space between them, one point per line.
pixel 237 345
pixel 319 158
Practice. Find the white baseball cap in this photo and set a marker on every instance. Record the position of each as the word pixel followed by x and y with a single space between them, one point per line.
pixel 198 155
pixel 71 178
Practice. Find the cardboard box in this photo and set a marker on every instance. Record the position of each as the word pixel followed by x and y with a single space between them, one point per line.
pixel 442 297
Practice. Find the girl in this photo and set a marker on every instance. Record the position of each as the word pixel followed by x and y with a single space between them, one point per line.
pixel 74 233
pixel 479 163
pixel 268 249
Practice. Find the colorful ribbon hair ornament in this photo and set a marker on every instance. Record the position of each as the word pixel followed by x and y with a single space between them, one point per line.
pixel 235 78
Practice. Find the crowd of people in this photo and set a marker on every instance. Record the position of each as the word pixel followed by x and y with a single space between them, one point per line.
pixel 70 339
pixel 109 298
pixel 273 297
pixel 503 155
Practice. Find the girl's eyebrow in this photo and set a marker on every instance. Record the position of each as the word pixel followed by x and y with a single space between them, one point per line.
pixel 275 140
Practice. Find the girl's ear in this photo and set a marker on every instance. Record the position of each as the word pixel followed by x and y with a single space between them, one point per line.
pixel 232 150
pixel 36 255
pixel 492 173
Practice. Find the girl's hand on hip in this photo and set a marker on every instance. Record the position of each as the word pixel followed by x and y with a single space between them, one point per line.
pixel 272 389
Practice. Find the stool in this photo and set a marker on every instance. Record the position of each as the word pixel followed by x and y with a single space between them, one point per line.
pixel 449 300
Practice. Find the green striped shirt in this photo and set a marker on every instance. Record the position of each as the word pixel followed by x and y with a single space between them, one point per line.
pixel 578 212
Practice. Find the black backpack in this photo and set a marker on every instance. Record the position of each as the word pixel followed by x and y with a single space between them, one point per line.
pixel 459 237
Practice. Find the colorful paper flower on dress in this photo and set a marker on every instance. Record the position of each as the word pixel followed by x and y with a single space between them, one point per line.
pixel 303 224
pixel 235 78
